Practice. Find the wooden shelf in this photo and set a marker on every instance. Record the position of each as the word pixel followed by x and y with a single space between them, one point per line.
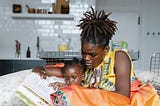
pixel 42 16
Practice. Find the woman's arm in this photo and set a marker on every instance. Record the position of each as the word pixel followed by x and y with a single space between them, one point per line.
pixel 122 70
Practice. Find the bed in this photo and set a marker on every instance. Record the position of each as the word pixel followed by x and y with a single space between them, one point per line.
pixel 10 82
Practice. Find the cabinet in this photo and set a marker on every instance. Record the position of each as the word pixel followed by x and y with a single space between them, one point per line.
pixel 10 66
pixel 42 16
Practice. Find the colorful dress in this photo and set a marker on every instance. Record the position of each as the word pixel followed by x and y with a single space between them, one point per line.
pixel 104 76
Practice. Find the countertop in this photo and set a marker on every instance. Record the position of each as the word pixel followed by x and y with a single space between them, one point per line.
pixel 20 58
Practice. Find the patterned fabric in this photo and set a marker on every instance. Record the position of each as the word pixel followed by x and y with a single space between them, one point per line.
pixel 82 96
pixel 59 99
pixel 104 74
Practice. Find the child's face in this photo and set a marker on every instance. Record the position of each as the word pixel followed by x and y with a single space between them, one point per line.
pixel 73 74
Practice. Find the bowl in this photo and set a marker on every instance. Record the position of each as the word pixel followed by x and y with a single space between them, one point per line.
pixel 17 8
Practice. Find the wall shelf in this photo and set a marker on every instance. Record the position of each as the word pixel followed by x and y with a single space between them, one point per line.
pixel 42 16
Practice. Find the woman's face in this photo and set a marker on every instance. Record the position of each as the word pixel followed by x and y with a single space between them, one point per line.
pixel 92 54
pixel 73 74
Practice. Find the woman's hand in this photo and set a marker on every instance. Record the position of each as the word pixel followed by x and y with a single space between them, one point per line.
pixel 40 71
pixel 57 85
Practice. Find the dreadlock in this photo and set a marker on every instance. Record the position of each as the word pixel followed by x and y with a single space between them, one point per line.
pixel 97 28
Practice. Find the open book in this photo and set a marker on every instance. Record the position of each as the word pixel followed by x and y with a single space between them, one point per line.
pixel 34 91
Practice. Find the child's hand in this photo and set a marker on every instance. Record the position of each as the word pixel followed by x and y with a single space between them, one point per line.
pixel 40 71
pixel 57 85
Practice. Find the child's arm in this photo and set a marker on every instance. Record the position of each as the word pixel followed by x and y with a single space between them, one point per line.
pixel 58 85
pixel 44 71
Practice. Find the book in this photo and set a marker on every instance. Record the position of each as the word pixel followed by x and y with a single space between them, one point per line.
pixel 34 91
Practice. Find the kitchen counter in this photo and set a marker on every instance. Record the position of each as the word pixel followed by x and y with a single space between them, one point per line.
pixel 20 58
pixel 68 55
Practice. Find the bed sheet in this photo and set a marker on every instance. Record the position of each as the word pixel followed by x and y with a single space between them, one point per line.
pixel 8 85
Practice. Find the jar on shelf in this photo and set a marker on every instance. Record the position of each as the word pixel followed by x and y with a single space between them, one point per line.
pixel 124 46
pixel 62 44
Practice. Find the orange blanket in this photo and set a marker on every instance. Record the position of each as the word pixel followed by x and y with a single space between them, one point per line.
pixel 145 96
pixel 76 95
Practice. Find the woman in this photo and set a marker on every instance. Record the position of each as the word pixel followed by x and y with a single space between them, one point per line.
pixel 115 68
pixel 111 71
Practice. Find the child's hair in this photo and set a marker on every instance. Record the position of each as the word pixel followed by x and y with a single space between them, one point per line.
pixel 97 28
pixel 73 62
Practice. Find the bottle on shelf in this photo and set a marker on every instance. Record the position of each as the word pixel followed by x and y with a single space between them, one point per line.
pixel 28 53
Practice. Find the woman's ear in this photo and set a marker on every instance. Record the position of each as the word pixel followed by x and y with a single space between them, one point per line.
pixel 106 49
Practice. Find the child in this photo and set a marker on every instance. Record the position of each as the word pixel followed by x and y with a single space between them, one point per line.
pixel 73 73
pixel 72 93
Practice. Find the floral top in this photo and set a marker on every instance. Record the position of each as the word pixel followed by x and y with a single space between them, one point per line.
pixel 104 74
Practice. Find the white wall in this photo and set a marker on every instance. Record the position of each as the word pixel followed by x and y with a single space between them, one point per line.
pixel 27 30
pixel 151 24
pixel 126 14
pixel 149 12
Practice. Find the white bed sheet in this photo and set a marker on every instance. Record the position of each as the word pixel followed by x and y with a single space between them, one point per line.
pixel 8 85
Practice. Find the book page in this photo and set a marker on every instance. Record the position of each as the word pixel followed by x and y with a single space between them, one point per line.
pixel 40 86
pixel 29 97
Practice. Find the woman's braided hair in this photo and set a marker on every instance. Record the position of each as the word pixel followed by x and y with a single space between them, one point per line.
pixel 97 28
